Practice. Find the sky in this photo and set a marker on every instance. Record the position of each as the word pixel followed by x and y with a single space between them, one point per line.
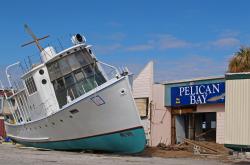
pixel 185 39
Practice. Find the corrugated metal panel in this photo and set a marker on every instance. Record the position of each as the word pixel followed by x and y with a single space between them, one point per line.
pixel 237 113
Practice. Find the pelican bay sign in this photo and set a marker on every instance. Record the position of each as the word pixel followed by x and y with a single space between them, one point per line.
pixel 198 94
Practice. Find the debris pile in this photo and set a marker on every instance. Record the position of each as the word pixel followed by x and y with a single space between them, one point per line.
pixel 177 147
pixel 189 148
pixel 203 147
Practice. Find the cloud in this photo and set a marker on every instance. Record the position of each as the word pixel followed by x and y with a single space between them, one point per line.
pixel 191 66
pixel 114 24
pixel 166 41
pixel 116 36
pixel 142 47
pixel 229 33
pixel 226 42
pixel 107 49
pixel 157 42
pixel 160 42
pixel 111 37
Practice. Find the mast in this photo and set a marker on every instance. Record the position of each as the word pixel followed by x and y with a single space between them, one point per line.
pixel 35 39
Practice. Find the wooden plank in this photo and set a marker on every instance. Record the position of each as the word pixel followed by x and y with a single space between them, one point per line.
pixel 200 145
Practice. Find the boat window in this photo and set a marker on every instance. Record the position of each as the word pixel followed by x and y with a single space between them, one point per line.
pixel 74 64
pixel 80 58
pixel 60 83
pixel 88 71
pixel 54 71
pixel 79 75
pixel 30 84
pixel 69 80
pixel 64 66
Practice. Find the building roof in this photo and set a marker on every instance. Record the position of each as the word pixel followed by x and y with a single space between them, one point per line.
pixel 237 73
pixel 194 79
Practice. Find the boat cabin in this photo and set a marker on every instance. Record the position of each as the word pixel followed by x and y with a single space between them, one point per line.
pixel 62 78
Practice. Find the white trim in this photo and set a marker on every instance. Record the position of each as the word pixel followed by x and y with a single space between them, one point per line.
pixel 194 79
pixel 238 73
pixel 28 139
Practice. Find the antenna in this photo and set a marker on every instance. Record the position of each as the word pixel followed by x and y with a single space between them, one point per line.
pixel 35 39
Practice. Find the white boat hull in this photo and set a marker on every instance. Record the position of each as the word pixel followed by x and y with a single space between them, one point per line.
pixel 105 119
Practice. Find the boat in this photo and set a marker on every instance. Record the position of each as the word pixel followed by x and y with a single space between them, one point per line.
pixel 70 101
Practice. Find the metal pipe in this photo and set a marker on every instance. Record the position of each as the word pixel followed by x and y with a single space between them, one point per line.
pixel 21 110
pixel 109 66
pixel 26 108
pixel 8 76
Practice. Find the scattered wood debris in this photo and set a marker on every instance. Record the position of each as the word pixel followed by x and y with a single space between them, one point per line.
pixel 171 147
pixel 189 148
pixel 203 147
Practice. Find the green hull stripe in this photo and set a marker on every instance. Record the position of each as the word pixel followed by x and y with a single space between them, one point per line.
pixel 129 141
pixel 238 147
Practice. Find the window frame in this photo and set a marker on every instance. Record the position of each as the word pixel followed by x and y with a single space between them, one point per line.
pixel 30 85
pixel 147 107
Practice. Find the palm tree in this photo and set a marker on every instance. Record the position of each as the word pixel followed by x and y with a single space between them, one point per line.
pixel 240 62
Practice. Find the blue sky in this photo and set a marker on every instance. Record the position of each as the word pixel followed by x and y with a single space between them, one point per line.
pixel 185 39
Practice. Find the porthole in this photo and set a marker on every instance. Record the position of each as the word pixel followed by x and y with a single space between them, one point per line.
pixel 41 71
pixel 40 127
pixel 73 111
pixel 90 51
pixel 70 116
pixel 44 81
pixel 46 126
pixel 61 120
pixel 123 91
pixel 53 123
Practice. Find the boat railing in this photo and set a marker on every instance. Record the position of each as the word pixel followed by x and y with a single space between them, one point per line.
pixel 13 73
pixel 108 71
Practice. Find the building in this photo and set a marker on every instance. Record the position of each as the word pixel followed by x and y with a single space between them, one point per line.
pixel 237 123
pixel 143 93
pixel 172 111
pixel 149 98
pixel 197 109
pixel 4 111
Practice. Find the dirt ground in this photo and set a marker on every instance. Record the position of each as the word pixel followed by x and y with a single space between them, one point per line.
pixel 17 154
pixel 186 151
pixel 156 152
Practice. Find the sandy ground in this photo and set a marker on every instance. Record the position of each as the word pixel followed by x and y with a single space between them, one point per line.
pixel 13 155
